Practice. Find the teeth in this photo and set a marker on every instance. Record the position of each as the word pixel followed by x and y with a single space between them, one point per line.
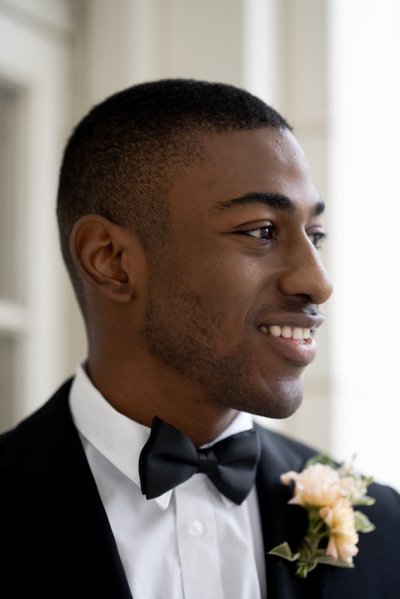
pixel 286 332
pixel 275 330
pixel 297 333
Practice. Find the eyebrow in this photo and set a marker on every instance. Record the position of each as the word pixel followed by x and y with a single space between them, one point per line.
pixel 273 200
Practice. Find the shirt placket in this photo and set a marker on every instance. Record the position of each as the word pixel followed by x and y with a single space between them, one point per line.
pixel 197 541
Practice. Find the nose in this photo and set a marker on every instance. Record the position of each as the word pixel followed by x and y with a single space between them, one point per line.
pixel 303 274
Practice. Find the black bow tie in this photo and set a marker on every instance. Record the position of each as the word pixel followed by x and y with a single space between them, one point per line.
pixel 169 458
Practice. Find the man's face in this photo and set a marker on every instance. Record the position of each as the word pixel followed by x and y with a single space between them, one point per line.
pixel 241 276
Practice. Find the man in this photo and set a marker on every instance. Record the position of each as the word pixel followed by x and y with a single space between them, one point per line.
pixel 190 228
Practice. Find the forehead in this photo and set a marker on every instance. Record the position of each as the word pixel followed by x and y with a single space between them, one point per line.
pixel 262 161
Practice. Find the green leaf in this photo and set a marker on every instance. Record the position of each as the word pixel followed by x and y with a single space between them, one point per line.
pixel 306 566
pixel 283 550
pixel 362 522
pixel 330 561
pixel 367 480
pixel 365 500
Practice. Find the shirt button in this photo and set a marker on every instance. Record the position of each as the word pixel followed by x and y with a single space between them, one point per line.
pixel 196 528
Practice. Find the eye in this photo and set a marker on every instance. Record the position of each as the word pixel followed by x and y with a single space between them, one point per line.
pixel 317 239
pixel 265 233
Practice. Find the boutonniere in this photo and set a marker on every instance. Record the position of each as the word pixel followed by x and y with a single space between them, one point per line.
pixel 329 493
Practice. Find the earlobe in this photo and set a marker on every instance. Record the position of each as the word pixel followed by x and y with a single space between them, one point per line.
pixel 98 248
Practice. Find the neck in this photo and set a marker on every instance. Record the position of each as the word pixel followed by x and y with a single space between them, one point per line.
pixel 141 395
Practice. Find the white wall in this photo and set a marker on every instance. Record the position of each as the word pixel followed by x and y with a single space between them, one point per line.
pixel 364 72
pixel 35 49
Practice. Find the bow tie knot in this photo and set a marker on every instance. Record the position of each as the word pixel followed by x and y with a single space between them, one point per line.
pixel 208 462
pixel 169 458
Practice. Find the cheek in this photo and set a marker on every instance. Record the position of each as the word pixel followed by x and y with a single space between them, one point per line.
pixel 224 269
pixel 229 297
pixel 235 284
pixel 224 285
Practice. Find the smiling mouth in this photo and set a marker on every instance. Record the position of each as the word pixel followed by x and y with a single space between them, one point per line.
pixel 288 332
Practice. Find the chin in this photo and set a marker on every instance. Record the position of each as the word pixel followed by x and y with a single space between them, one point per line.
pixel 287 407
pixel 277 407
pixel 274 400
pixel 282 401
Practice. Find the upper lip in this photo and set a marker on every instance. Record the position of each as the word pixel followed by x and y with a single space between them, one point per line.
pixel 301 320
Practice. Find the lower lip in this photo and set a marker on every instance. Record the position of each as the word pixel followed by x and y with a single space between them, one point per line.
pixel 298 351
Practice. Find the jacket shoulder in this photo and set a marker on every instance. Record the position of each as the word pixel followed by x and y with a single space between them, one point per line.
pixel 290 453
pixel 17 443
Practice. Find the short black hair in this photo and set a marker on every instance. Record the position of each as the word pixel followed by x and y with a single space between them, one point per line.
pixel 124 154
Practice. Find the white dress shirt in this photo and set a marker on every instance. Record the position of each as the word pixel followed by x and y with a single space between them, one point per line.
pixel 190 543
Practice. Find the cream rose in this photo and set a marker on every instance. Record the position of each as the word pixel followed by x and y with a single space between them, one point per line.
pixel 328 494
pixel 342 534
pixel 317 486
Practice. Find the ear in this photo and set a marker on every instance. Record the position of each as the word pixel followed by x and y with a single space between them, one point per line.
pixel 102 252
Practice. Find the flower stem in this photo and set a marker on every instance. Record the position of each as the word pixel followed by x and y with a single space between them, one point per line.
pixel 309 550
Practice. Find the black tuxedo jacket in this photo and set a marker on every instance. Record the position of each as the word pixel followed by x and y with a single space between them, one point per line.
pixel 56 542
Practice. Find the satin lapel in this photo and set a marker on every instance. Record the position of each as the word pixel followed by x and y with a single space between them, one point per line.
pixel 64 530
pixel 282 522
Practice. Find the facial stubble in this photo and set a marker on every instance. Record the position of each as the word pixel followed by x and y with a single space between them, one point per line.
pixel 183 332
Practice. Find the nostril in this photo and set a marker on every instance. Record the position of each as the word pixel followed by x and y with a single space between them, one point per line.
pixel 306 278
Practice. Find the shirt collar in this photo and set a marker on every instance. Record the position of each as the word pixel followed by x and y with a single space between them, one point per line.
pixel 117 437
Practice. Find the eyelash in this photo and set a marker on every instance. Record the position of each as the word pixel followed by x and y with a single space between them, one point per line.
pixel 316 238
pixel 269 228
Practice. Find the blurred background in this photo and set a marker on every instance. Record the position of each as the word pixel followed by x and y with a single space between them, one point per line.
pixel 331 67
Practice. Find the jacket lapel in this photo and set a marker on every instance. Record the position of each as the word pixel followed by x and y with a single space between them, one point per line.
pixel 64 530
pixel 282 522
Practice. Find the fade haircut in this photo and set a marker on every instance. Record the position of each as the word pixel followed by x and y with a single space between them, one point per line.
pixel 123 156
